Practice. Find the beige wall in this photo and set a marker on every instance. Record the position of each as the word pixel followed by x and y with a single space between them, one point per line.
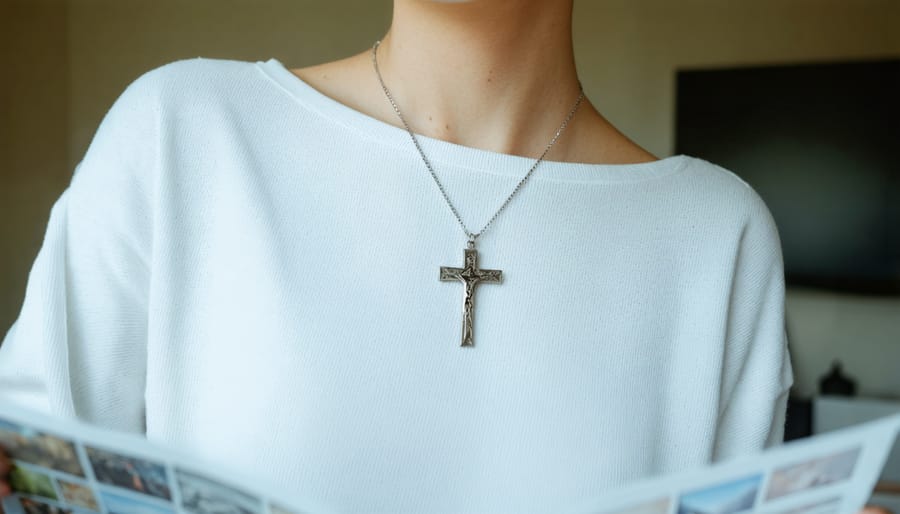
pixel 629 49
pixel 113 41
pixel 69 59
pixel 34 160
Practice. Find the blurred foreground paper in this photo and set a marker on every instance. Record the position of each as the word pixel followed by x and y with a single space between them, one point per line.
pixel 832 473
pixel 63 467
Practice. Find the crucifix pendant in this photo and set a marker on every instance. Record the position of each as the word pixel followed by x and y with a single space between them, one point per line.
pixel 471 276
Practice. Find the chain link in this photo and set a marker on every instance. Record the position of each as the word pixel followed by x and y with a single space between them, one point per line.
pixel 472 236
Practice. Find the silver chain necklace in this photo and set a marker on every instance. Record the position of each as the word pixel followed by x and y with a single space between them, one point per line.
pixel 470 274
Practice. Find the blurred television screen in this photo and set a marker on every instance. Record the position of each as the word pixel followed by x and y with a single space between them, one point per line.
pixel 819 143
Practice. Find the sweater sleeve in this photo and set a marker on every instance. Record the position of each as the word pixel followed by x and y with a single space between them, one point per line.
pixel 757 372
pixel 77 347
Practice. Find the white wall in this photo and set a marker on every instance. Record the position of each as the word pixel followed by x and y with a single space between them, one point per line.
pixel 863 332
pixel 627 53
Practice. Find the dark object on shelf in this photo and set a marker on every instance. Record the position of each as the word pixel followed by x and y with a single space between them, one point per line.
pixel 836 383
pixel 799 418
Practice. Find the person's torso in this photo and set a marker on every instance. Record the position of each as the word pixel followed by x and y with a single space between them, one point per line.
pixel 299 329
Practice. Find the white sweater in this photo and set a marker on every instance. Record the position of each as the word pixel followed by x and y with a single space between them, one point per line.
pixel 248 270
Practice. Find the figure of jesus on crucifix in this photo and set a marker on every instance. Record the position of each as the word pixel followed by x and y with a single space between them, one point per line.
pixel 471 276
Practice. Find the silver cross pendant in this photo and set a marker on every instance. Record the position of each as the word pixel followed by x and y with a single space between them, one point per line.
pixel 471 276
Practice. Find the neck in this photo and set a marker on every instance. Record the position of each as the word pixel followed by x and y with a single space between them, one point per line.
pixel 496 75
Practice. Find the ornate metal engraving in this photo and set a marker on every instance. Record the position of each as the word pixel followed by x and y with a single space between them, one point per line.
pixel 471 276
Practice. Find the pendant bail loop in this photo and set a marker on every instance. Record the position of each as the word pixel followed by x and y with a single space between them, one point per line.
pixel 472 241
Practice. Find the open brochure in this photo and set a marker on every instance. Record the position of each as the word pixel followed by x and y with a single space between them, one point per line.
pixel 65 467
